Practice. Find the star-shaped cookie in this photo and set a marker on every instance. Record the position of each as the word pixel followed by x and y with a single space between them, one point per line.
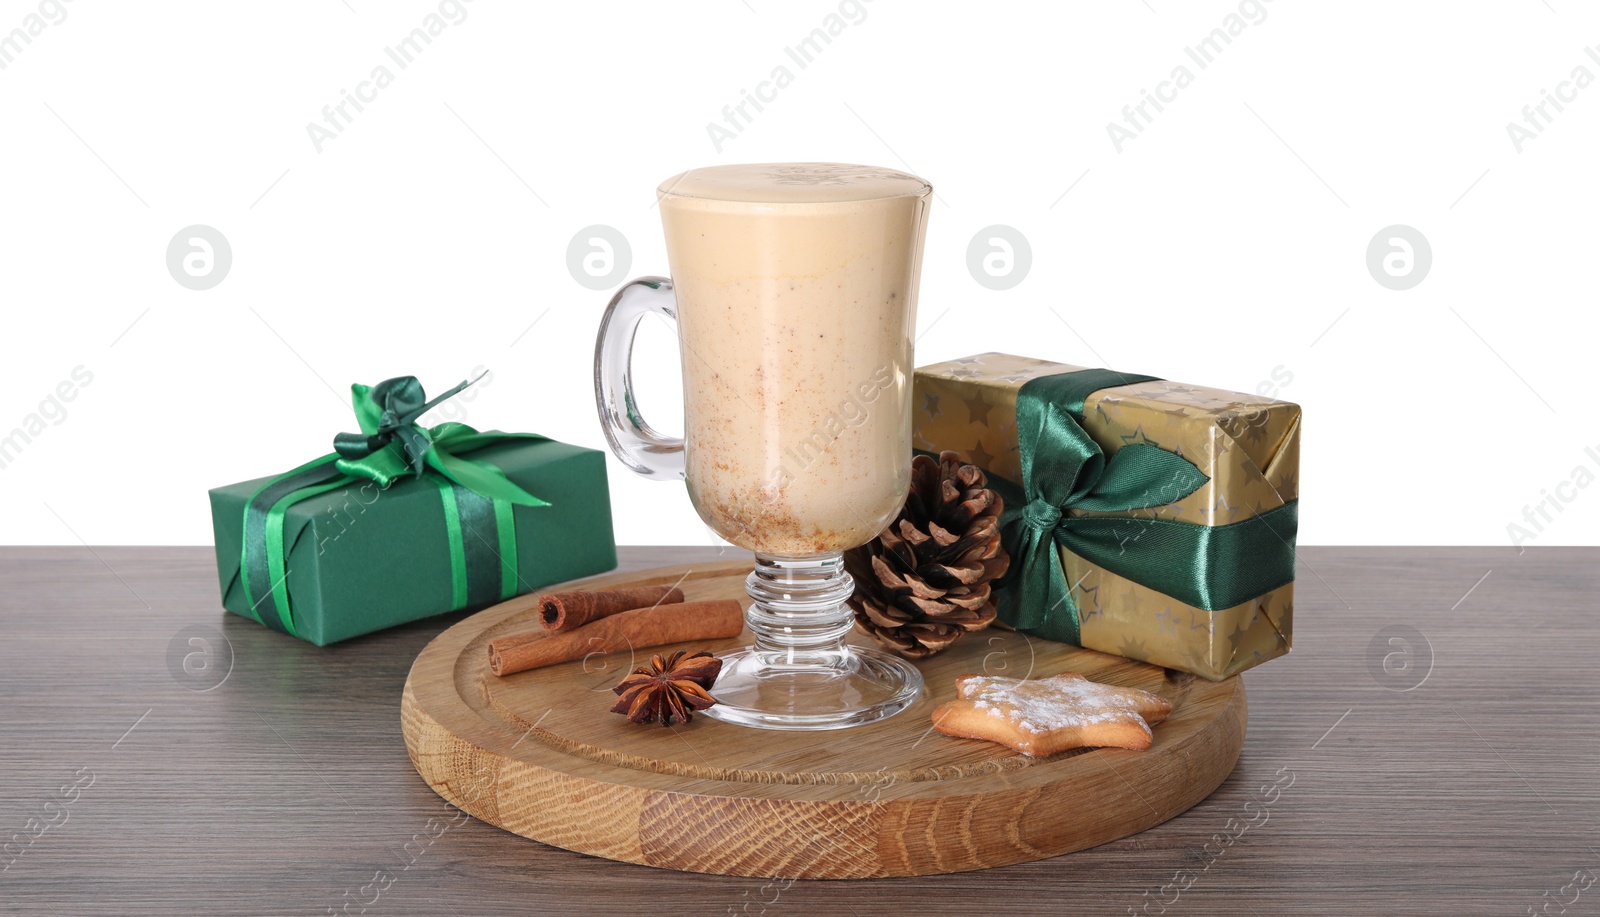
pixel 1045 716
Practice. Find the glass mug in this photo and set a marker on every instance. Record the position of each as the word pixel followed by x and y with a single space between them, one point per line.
pixel 794 291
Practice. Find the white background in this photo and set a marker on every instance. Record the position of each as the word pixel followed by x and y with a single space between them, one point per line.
pixel 1226 241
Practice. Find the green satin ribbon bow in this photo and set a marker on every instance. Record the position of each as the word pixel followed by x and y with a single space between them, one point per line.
pixel 391 443
pixel 476 496
pixel 1065 473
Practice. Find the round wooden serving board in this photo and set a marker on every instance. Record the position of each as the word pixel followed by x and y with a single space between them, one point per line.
pixel 538 754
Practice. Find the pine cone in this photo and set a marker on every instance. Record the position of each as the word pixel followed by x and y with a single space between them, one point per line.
pixel 924 581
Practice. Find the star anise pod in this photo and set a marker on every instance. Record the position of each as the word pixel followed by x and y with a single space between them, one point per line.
pixel 668 690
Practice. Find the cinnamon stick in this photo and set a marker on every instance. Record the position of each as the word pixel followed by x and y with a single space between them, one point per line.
pixel 560 611
pixel 634 629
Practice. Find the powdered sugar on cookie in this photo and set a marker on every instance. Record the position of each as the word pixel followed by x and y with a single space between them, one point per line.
pixel 1046 715
pixel 1040 705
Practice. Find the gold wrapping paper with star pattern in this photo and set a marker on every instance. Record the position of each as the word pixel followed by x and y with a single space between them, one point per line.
pixel 1247 445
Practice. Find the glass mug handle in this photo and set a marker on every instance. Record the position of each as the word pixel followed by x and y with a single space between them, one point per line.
pixel 634 441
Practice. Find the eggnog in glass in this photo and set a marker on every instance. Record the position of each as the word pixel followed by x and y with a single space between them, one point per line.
pixel 794 287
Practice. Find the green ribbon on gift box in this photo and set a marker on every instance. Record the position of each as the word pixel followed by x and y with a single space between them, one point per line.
pixel 476 496
pixel 1065 475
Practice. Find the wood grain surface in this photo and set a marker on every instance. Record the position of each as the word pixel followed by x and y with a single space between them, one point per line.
pixel 538 754
pixel 286 789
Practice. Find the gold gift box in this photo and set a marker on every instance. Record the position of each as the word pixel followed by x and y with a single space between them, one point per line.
pixel 1248 446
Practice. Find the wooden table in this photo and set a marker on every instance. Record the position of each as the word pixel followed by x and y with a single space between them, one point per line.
pixel 1453 771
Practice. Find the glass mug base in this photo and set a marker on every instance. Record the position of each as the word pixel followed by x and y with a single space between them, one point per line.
pixel 866 686
pixel 800 674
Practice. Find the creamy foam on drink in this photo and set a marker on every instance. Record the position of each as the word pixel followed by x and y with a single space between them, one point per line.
pixel 796 287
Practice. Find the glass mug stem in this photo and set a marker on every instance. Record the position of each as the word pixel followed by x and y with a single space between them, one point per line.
pixel 799 616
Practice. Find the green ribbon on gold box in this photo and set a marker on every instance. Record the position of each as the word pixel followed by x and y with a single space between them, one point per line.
pixel 402 522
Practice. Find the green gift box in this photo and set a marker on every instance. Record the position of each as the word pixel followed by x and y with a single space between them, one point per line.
pixel 403 522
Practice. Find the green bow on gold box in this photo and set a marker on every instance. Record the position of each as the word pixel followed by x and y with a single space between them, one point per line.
pixel 1145 518
pixel 402 522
